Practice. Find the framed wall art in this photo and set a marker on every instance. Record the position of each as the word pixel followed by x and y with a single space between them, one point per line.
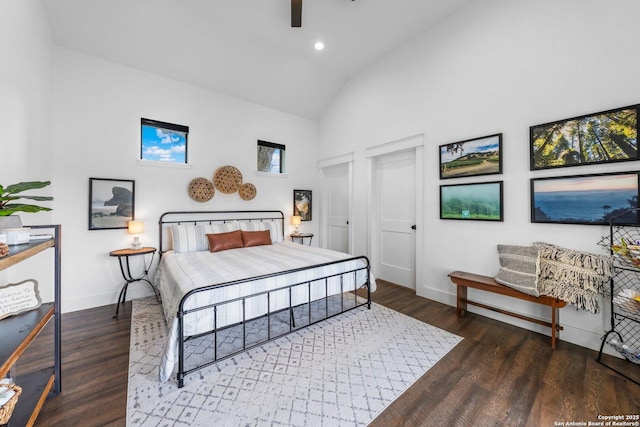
pixel 163 143
pixel 302 204
pixel 472 157
pixel 584 199
pixel 608 136
pixel 111 203
pixel 481 201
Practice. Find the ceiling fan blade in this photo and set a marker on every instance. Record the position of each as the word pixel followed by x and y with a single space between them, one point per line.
pixel 296 13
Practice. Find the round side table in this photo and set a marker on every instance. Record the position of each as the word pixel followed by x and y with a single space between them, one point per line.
pixel 301 237
pixel 123 256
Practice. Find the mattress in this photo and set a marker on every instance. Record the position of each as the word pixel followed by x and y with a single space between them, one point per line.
pixel 179 274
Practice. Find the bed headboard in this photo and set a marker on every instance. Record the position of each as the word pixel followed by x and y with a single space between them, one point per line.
pixel 212 218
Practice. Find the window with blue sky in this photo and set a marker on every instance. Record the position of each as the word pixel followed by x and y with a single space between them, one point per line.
pixel 163 142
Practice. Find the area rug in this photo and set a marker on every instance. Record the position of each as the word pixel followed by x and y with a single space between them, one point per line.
pixel 342 371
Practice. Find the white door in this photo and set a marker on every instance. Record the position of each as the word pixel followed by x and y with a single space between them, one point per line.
pixel 337 187
pixel 395 217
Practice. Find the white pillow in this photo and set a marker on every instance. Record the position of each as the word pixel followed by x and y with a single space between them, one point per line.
pixel 274 228
pixel 184 237
pixel 193 238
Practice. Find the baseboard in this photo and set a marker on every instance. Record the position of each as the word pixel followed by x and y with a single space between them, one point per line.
pixel 83 303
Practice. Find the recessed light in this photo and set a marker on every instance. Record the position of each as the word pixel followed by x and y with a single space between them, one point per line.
pixel 318 46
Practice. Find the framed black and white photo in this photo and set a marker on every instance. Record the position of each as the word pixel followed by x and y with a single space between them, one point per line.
pixel 472 157
pixel 480 201
pixel 585 199
pixel 302 204
pixel 604 137
pixel 111 203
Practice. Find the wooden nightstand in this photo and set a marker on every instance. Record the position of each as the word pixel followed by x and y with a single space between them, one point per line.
pixel 301 237
pixel 123 256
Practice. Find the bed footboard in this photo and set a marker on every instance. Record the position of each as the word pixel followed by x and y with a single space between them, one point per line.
pixel 242 322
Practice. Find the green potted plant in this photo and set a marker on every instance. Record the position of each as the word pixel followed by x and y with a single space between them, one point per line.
pixel 11 193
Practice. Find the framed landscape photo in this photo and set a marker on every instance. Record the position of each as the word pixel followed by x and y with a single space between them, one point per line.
pixel 605 137
pixel 302 204
pixel 585 199
pixel 481 201
pixel 472 157
pixel 111 203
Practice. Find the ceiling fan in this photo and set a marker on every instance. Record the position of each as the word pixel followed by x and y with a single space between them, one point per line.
pixel 296 13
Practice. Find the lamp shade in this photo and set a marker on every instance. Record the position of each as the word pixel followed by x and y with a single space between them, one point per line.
pixel 295 220
pixel 136 227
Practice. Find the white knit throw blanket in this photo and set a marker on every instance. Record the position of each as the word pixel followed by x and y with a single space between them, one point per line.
pixel 573 276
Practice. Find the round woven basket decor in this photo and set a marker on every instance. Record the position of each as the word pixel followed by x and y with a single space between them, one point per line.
pixel 227 179
pixel 201 189
pixel 247 191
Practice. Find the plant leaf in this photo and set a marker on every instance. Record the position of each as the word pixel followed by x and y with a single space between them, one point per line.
pixel 37 198
pixel 26 185
pixel 15 207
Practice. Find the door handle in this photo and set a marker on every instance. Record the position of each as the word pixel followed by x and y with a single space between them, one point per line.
pixel 413 227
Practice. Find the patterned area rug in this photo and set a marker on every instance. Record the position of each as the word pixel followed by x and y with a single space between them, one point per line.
pixel 342 371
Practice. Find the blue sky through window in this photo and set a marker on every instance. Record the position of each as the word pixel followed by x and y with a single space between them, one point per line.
pixel 163 145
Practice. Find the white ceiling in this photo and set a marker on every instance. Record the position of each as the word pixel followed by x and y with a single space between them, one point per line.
pixel 247 48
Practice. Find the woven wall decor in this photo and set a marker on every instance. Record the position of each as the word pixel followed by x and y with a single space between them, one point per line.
pixel 227 179
pixel 247 191
pixel 201 189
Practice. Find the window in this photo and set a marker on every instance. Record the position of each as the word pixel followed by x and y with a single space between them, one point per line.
pixel 163 142
pixel 270 157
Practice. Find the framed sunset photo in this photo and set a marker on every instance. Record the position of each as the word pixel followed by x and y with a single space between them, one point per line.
pixel 585 199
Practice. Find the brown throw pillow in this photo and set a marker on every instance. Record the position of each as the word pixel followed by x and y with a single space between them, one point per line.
pixel 223 241
pixel 256 238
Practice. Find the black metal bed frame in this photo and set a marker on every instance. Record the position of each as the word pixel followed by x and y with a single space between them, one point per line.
pixel 212 217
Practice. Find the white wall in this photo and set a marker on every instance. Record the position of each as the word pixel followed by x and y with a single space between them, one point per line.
pixel 25 91
pixel 25 117
pixel 97 106
pixel 496 66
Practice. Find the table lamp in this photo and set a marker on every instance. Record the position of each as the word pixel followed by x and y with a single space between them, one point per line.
pixel 136 227
pixel 295 220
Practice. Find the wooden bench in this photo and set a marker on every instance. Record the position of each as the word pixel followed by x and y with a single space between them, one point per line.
pixel 464 280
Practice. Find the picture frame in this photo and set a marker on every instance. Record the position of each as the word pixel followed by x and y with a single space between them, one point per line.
pixel 585 199
pixel 603 137
pixel 302 204
pixel 472 202
pixel 471 157
pixel 163 143
pixel 111 203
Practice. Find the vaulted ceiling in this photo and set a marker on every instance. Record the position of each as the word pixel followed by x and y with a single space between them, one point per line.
pixel 247 48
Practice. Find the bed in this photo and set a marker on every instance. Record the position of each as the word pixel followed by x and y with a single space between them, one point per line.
pixel 221 300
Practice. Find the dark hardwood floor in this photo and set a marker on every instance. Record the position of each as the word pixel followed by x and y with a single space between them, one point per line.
pixel 498 375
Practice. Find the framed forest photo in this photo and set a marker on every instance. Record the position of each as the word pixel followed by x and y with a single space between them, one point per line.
pixel 608 136
pixel 481 201
pixel 585 199
pixel 472 157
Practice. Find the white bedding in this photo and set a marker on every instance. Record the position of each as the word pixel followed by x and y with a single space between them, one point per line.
pixel 179 273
